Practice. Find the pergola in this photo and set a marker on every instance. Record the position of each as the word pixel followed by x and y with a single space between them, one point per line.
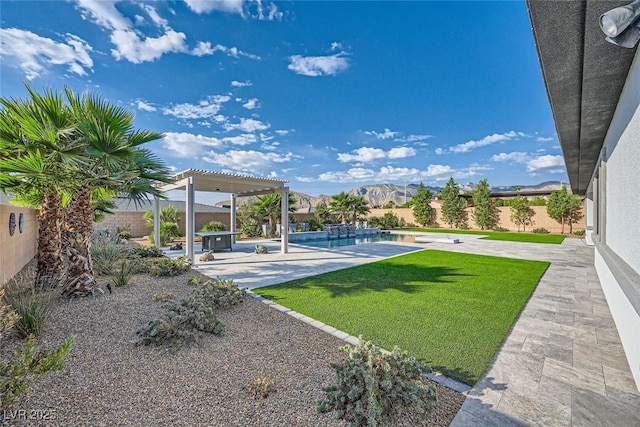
pixel 236 185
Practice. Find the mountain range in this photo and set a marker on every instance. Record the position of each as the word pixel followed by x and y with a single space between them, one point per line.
pixel 381 194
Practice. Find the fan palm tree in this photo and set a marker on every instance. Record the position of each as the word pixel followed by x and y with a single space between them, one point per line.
pixel 268 207
pixel 38 148
pixel 348 207
pixel 116 163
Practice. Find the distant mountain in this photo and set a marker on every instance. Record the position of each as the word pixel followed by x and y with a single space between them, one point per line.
pixel 378 195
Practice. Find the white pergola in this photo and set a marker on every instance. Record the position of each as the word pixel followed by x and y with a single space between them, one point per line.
pixel 193 180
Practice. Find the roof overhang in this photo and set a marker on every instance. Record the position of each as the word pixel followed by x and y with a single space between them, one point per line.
pixel 240 185
pixel 584 76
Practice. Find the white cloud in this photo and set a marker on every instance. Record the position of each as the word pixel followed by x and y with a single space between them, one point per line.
pixel 247 125
pixel 207 108
pixel 142 105
pixel 188 145
pixel 247 161
pixel 401 152
pixel 546 161
pixel 544 139
pixel 208 6
pixel 416 138
pixel 362 154
pixel 236 83
pixel 131 47
pixel 487 140
pixel 244 139
pixel 314 66
pixel 515 157
pixel 251 104
pixel 104 13
pixel 155 17
pixel 439 150
pixel 34 54
pixel 336 46
pixel 386 134
pixel 384 174
pixel 270 146
pixel 282 132
pixel 205 49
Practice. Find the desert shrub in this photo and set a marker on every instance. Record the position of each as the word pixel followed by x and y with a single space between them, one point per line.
pixel 194 279
pixel 187 319
pixel 434 225
pixel 214 226
pixel 8 316
pixel 251 227
pixel 260 388
pixel 313 224
pixel 144 252
pixel 170 266
pixel 501 229
pixel 375 388
pixel 579 232
pixel 163 296
pixel 27 367
pixel 105 253
pixel 123 273
pixel 463 226
pixel 540 230
pixel 168 232
pixel 31 306
pixel 124 232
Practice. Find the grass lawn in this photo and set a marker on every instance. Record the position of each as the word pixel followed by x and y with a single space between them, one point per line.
pixel 450 310
pixel 498 235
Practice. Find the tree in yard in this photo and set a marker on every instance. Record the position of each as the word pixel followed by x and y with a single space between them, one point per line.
pixel 348 207
pixel 521 213
pixel 484 212
pixel 38 149
pixel 321 213
pixel 422 210
pixel 564 207
pixel 169 229
pixel 452 211
pixel 269 208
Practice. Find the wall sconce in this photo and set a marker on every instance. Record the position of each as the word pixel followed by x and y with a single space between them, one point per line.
pixel 622 25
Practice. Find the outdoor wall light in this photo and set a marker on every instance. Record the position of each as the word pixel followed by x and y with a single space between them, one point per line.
pixel 622 25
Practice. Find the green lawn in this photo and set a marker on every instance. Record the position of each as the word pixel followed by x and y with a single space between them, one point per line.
pixel 498 235
pixel 450 310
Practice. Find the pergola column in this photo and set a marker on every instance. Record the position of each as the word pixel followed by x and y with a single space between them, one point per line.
pixel 156 221
pixel 233 217
pixel 190 217
pixel 284 223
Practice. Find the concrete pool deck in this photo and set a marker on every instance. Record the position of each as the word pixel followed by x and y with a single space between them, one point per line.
pixel 562 364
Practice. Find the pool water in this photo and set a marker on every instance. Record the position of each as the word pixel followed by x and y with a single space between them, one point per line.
pixel 358 240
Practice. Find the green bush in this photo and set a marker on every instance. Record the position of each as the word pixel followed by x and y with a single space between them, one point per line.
pixel 185 320
pixel 170 266
pixel 144 252
pixel 123 274
pixel 124 232
pixel 251 227
pixel 105 253
pixel 501 229
pixel 213 226
pixel 540 230
pixel 32 308
pixel 375 388
pixel 28 366
pixel 313 224
pixel 8 316
pixel 168 232
pixel 579 232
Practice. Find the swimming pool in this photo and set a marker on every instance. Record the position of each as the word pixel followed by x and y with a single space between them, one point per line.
pixel 358 240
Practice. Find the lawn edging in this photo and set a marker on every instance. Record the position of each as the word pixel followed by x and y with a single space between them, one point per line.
pixel 434 376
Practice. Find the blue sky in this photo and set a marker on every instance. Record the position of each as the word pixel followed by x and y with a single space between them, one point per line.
pixel 325 94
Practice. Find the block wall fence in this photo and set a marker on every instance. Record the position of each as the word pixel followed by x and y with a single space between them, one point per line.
pixel 18 249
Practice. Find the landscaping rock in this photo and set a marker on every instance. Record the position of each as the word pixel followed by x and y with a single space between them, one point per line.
pixel 261 249
pixel 207 256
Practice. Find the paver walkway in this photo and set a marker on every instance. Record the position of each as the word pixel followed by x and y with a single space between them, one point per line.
pixel 562 364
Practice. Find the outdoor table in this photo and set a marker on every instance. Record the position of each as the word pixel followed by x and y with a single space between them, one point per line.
pixel 216 240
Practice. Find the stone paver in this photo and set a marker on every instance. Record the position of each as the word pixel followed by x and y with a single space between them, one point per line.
pixel 562 364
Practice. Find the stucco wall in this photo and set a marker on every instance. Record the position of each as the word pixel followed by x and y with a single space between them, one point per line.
pixel 623 173
pixel 17 250
pixel 621 235
pixel 540 219
pixel 139 228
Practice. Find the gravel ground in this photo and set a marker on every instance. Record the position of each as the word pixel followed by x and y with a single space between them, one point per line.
pixel 109 381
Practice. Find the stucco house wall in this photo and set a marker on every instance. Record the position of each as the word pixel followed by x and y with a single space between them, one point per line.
pixel 614 213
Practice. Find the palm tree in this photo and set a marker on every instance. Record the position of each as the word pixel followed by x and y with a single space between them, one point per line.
pixel 38 148
pixel 117 163
pixel 348 207
pixel 269 207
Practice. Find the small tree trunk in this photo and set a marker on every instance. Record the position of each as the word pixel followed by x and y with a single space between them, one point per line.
pixel 49 257
pixel 77 244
